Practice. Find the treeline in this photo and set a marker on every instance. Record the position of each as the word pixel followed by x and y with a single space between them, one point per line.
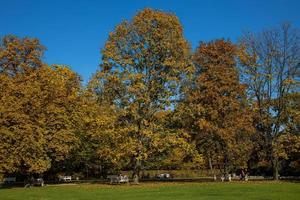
pixel 154 104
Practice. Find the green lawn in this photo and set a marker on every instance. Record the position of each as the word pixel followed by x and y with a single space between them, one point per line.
pixel 160 191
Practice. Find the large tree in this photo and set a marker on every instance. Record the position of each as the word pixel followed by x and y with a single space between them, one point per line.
pixel 214 109
pixel 143 61
pixel 37 105
pixel 270 64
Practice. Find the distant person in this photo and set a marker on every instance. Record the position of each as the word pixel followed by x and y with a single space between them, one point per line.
pixel 243 175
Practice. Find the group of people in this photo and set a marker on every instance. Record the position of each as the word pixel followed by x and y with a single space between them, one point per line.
pixel 227 177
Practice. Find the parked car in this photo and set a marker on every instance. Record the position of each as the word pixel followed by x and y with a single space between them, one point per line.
pixel 164 176
pixel 65 178
pixel 9 180
pixel 38 182
pixel 34 182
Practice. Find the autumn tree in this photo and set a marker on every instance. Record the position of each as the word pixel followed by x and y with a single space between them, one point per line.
pixel 270 63
pixel 58 109
pixel 291 116
pixel 22 140
pixel 20 55
pixel 101 144
pixel 37 104
pixel 287 145
pixel 214 109
pixel 143 61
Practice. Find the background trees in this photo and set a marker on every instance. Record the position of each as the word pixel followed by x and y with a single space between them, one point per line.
pixel 215 110
pixel 270 66
pixel 102 145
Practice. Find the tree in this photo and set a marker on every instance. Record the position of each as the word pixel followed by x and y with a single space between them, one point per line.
pixel 287 144
pixel 270 63
pixel 291 116
pixel 20 55
pixel 143 61
pixel 101 139
pixel 36 119
pixel 37 104
pixel 21 140
pixel 58 108
pixel 286 147
pixel 214 110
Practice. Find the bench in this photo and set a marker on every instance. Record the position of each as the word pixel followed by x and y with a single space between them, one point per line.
pixel 118 179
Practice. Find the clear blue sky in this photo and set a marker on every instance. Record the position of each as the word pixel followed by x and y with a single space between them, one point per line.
pixel 74 31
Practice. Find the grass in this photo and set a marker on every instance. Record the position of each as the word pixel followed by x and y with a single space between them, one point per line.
pixel 160 191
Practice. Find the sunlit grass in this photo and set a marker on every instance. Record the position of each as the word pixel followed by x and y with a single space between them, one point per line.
pixel 160 191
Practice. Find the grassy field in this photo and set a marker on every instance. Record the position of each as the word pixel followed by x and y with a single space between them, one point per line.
pixel 160 191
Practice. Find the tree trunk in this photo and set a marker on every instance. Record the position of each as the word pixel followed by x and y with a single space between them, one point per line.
pixel 87 171
pixel 226 166
pixel 136 171
pixel 136 179
pixel 275 164
pixel 211 167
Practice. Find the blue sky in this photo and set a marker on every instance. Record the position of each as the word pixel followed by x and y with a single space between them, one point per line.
pixel 74 31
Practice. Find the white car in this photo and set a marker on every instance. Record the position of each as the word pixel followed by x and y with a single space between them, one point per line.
pixel 164 176
pixel 65 178
pixel 9 180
